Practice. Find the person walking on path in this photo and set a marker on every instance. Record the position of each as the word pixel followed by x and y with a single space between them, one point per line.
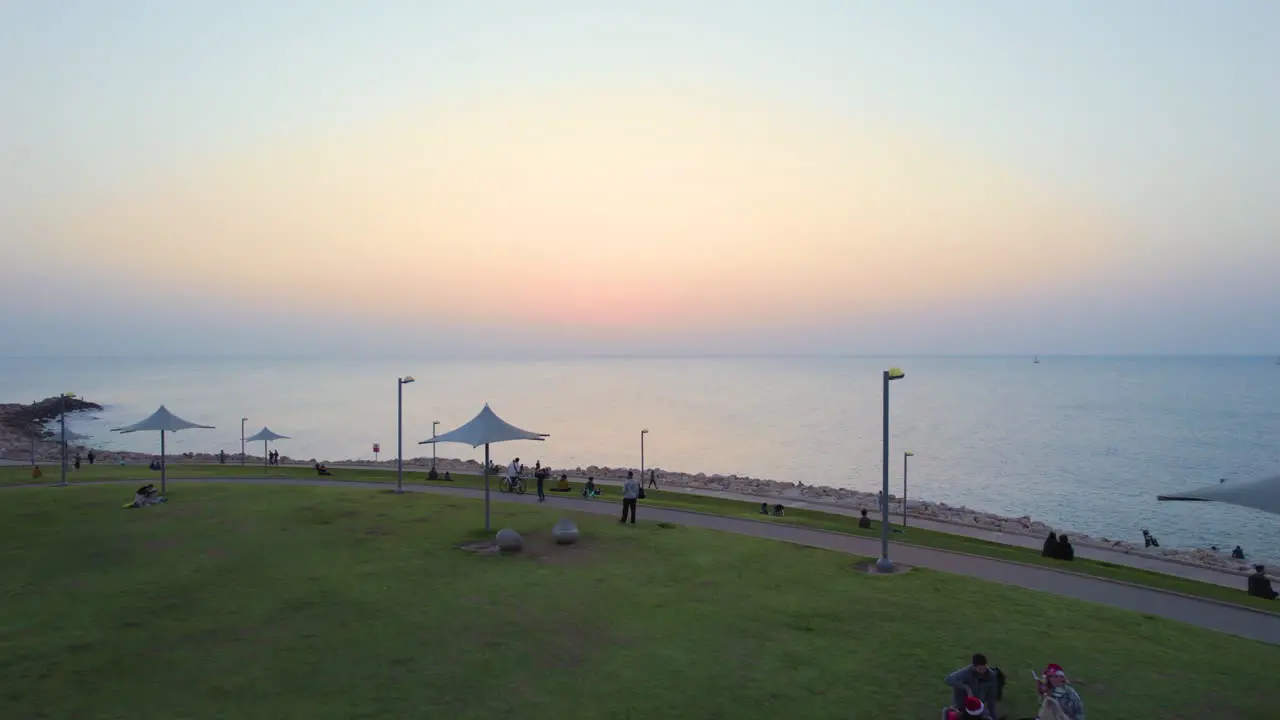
pixel 540 476
pixel 653 479
pixel 91 456
pixel 630 492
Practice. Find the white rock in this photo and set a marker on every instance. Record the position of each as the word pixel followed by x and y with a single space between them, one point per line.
pixel 509 540
pixel 565 532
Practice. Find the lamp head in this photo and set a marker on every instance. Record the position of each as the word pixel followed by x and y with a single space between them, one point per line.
pixel 244 419
pixel 645 431
pixel 406 379
pixel 68 395
pixel 909 454
pixel 895 373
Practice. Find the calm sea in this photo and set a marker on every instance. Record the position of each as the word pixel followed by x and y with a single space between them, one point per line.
pixel 1085 443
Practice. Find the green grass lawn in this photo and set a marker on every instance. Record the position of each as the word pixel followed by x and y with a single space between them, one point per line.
pixel 701 503
pixel 302 602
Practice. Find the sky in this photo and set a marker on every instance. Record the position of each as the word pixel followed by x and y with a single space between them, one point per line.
pixel 549 177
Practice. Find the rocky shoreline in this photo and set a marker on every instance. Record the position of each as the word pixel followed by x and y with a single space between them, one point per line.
pixel 20 423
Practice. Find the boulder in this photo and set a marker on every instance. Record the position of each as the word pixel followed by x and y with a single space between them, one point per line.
pixel 565 532
pixel 509 540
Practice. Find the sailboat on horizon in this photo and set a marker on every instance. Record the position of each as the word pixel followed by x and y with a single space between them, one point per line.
pixel 1036 360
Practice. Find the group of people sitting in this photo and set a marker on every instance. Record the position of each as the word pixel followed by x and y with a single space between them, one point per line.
pixel 1058 547
pixel 321 469
pixel 777 511
pixel 978 688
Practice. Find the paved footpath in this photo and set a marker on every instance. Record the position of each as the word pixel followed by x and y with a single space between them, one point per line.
pixel 1222 617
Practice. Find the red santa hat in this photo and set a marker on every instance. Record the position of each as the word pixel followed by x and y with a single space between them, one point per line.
pixel 1054 669
pixel 973 706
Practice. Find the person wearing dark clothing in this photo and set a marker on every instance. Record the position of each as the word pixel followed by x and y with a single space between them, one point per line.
pixel 864 522
pixel 653 479
pixel 1259 585
pixel 630 493
pixel 976 680
pixel 541 477
pixel 764 508
pixel 1065 551
pixel 77 461
pixel 1238 553
pixel 91 456
pixel 1050 545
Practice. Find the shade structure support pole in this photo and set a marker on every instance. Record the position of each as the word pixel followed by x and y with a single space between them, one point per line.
pixel 883 564
pixel 486 487
pixel 164 466
pixel 63 416
pixel 905 459
pixel 266 458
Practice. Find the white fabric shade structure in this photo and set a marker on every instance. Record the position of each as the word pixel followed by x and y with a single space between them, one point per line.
pixel 484 429
pixel 266 436
pixel 163 421
pixel 1261 494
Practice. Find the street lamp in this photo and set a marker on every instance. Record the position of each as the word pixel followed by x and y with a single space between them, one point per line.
pixel 905 455
pixel 434 423
pixel 642 434
pixel 63 421
pixel 400 383
pixel 883 564
pixel 242 422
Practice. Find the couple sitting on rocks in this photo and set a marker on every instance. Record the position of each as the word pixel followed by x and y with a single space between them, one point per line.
pixel 977 688
pixel 1058 547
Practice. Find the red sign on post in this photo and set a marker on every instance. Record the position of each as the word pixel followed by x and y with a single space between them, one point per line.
pixel 377 448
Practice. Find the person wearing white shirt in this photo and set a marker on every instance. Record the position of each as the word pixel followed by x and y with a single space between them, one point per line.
pixel 630 493
pixel 513 473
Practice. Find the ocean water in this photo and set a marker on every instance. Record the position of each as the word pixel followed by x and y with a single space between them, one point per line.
pixel 1084 443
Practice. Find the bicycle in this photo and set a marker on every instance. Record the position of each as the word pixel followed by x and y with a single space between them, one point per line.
pixel 512 485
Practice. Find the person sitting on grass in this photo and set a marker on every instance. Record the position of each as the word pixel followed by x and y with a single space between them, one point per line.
pixel 1050 548
pixel 864 522
pixel 778 511
pixel 1059 701
pixel 1259 585
pixel 146 495
pixel 764 508
pixel 1065 551
pixel 590 490
pixel 36 474
pixel 563 484
pixel 322 470
pixel 976 681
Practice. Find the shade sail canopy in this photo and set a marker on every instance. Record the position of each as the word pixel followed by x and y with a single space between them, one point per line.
pixel 162 420
pixel 483 429
pixel 265 434
pixel 1261 494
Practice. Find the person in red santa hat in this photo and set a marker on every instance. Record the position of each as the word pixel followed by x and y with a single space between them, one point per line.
pixel 1060 700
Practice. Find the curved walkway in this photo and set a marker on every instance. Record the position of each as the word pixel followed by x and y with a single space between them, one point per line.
pixel 1235 620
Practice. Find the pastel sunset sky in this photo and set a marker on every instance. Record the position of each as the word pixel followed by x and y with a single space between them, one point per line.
pixel 668 177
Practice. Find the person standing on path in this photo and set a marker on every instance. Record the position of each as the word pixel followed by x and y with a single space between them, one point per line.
pixel 540 476
pixel 630 492
pixel 91 456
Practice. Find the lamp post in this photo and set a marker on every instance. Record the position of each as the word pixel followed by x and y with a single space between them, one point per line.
pixel 905 455
pixel 400 383
pixel 434 423
pixel 62 414
pixel 884 565
pixel 642 434
pixel 243 420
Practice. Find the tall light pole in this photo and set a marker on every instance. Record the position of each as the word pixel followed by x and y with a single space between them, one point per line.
pixel 242 422
pixel 905 455
pixel 642 434
pixel 883 564
pixel 400 383
pixel 434 423
pixel 62 414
